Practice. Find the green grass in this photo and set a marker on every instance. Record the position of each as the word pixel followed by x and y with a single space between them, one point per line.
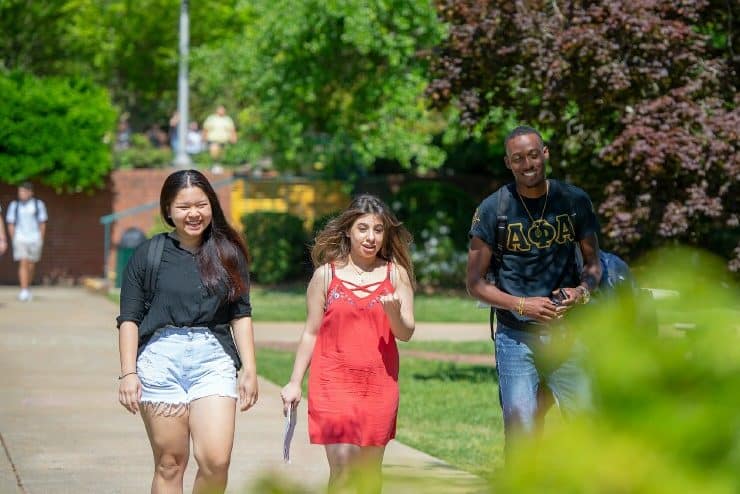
pixel 484 347
pixel 278 304
pixel 447 410
pixel 289 304
pixel 448 308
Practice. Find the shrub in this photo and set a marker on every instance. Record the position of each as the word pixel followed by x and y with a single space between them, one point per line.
pixel 277 244
pixel 417 204
pixel 54 130
pixel 142 154
pixel 438 215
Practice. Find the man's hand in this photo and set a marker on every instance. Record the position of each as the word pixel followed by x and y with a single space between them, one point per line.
pixel 542 309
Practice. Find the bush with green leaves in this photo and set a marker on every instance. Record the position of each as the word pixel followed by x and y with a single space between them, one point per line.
pixel 54 130
pixel 142 154
pixel 438 216
pixel 666 406
pixel 438 262
pixel 277 245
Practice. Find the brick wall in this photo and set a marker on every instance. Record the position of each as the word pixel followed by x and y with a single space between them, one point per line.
pixel 74 245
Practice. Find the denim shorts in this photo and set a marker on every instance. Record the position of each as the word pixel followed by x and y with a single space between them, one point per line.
pixel 180 365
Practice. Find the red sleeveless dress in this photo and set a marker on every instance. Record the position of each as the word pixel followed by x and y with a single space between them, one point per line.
pixel 353 379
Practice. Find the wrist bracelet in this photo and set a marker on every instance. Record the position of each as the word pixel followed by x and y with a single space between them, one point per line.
pixel 126 374
pixel 520 306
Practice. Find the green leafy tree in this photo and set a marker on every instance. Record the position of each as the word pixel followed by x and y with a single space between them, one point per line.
pixel 54 130
pixel 37 36
pixel 134 47
pixel 637 98
pixel 334 83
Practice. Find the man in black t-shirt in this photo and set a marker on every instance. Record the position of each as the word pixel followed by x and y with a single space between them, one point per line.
pixel 537 280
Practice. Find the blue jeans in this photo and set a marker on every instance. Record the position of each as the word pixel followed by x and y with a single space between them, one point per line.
pixel 527 359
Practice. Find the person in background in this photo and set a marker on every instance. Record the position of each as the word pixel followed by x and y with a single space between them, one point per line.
pixel 3 238
pixel 172 130
pixel 193 140
pixel 360 300
pixel 180 357
pixel 537 281
pixel 26 219
pixel 218 131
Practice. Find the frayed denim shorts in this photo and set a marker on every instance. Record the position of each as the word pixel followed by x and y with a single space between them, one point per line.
pixel 180 365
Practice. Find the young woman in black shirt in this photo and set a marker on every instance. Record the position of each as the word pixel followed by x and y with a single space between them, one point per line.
pixel 179 358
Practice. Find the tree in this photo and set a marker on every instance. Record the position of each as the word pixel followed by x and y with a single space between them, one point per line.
pixel 335 84
pixel 129 47
pixel 637 99
pixel 54 130
pixel 134 47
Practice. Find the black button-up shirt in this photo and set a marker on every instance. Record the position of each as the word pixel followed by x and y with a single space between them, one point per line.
pixel 180 298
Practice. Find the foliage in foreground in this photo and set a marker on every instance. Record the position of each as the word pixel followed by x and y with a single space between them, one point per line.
pixel 667 407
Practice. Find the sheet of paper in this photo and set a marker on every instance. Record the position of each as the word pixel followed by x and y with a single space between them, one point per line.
pixel 290 421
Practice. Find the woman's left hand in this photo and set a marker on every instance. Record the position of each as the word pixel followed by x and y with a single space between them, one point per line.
pixel 248 390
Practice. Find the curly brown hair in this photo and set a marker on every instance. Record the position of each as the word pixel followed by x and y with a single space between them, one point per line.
pixel 333 244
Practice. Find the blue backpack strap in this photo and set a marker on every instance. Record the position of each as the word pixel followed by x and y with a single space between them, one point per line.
pixel 153 260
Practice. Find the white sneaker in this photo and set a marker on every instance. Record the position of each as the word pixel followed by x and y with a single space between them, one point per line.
pixel 25 296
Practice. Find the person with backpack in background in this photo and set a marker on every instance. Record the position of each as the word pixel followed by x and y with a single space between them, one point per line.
pixel 26 219
pixel 185 330
pixel 3 238
pixel 523 262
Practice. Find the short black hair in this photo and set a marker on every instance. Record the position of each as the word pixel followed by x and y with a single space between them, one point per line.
pixel 26 185
pixel 523 130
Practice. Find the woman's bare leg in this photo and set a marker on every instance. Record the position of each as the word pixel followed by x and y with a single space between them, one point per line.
pixel 212 429
pixel 169 436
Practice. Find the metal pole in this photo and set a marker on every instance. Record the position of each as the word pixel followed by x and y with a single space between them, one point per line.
pixel 182 160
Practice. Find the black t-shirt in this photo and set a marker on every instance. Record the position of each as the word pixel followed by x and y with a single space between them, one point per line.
pixel 180 297
pixel 538 257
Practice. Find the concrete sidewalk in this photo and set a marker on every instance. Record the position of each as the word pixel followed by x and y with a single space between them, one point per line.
pixel 63 430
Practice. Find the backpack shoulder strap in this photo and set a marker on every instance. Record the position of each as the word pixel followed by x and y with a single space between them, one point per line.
pixel 14 205
pixel 153 260
pixel 504 197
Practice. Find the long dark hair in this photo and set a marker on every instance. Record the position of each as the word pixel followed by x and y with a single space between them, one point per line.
pixel 223 249
pixel 332 243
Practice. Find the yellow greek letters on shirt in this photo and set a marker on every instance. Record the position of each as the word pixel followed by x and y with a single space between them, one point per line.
pixel 566 232
pixel 540 234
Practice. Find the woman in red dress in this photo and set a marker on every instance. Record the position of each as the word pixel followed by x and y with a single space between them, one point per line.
pixel 360 300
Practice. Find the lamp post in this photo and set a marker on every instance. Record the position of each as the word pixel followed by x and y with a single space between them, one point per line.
pixel 182 160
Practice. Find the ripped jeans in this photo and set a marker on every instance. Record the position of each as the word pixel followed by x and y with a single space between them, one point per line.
pixel 180 365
